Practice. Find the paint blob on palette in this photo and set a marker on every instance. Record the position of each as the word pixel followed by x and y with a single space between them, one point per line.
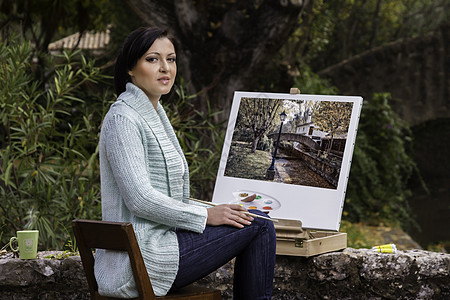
pixel 262 202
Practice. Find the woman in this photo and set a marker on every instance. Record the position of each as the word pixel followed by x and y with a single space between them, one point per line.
pixel 145 181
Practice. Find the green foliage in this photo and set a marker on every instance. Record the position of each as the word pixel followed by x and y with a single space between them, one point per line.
pixel 49 127
pixel 356 237
pixel 49 171
pixel 48 137
pixel 265 144
pixel 71 251
pixel 332 117
pixel 310 83
pixel 342 29
pixel 441 247
pixel 381 166
pixel 382 160
pixel 63 255
pixel 40 21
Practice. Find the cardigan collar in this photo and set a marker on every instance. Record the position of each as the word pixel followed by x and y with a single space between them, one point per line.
pixel 160 125
pixel 138 100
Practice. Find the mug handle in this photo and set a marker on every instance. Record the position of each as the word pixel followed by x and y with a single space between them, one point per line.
pixel 11 241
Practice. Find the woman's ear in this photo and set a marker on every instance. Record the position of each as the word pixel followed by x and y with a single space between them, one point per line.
pixel 130 73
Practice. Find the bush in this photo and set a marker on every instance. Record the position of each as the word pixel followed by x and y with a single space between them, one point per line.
pixel 265 144
pixel 381 166
pixel 48 156
pixel 49 168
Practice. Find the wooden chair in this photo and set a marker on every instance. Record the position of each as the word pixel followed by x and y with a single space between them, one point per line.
pixel 120 236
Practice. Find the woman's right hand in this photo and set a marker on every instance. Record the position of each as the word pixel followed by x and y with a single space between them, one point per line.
pixel 228 214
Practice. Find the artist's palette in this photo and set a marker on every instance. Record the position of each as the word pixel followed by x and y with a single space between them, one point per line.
pixel 262 202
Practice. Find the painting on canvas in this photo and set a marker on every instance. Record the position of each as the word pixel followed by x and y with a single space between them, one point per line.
pixel 293 151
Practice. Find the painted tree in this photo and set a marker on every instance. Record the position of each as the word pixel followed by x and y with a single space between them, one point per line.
pixel 332 117
pixel 258 115
pixel 223 45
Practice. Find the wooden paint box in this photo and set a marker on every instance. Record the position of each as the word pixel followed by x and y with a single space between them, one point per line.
pixel 293 240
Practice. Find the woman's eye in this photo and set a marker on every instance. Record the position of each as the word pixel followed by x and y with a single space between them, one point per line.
pixel 172 59
pixel 151 59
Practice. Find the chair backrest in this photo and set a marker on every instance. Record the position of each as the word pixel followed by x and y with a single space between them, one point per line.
pixel 119 236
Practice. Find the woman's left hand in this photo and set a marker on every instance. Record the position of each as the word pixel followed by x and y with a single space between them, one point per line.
pixel 228 214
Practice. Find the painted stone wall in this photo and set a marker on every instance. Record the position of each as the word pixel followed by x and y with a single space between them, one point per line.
pixel 323 168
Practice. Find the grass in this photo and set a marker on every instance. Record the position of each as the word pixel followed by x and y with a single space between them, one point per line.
pixel 358 235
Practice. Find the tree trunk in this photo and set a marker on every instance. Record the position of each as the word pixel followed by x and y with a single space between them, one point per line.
pixel 223 45
pixel 255 144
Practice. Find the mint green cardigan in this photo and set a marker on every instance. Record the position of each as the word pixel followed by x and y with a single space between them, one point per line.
pixel 142 183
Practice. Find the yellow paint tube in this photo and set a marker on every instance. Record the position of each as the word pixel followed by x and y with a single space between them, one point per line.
pixel 388 248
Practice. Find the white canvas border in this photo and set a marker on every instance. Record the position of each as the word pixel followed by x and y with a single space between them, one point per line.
pixel 317 208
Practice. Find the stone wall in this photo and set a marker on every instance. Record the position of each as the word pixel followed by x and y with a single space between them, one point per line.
pixel 349 274
pixel 42 278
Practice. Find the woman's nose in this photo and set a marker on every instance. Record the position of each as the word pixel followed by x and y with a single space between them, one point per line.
pixel 164 67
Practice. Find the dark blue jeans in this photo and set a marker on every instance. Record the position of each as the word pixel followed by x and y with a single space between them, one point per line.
pixel 253 246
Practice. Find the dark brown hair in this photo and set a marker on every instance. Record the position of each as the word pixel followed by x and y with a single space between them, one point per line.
pixel 136 44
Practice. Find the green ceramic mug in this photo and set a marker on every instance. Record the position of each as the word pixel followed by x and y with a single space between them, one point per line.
pixel 27 241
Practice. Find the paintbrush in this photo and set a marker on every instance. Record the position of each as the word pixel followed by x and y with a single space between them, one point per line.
pixel 247 213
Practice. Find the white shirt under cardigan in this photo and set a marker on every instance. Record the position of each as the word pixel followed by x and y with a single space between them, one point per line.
pixel 142 182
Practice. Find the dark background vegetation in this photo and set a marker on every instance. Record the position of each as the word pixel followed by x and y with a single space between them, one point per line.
pixel 51 106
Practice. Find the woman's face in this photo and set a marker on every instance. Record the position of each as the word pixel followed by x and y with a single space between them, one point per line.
pixel 155 71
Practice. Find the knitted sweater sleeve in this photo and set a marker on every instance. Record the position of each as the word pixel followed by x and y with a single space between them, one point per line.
pixel 125 153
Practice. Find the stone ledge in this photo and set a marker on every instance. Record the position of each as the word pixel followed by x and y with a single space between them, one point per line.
pixel 350 274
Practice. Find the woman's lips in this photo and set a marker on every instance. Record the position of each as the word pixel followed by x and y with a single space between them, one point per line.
pixel 164 80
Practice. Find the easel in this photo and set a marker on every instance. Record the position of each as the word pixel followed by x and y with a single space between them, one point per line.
pixel 294 240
